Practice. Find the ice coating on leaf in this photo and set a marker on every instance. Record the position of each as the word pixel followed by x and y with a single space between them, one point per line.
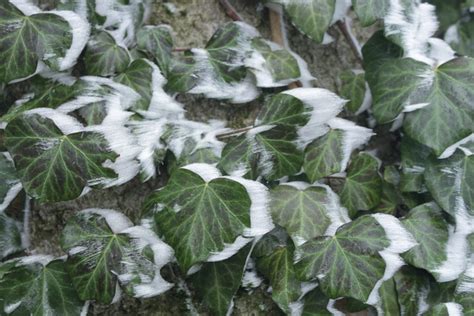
pixel 457 245
pixel 323 104
pixel 213 87
pixel 67 124
pixel 260 218
pixel 12 193
pixel 80 31
pixel 162 254
pixel 205 171
pixel 340 11
pixel 116 220
pixel 415 24
pixel 400 241
pixel 41 259
pixel 466 282
pixel 25 6
pixel 448 152
pixel 336 212
pixel 229 250
pixel 354 137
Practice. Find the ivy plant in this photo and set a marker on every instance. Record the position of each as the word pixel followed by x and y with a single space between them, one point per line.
pixel 359 199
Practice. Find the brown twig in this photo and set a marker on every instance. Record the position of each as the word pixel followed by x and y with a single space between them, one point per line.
pixel 276 26
pixel 180 49
pixel 343 27
pixel 230 10
pixel 234 132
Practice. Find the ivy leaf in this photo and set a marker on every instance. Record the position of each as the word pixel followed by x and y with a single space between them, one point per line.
pixel 56 164
pixel 363 185
pixel 139 76
pixel 450 179
pixel 206 217
pixel 217 282
pixel 350 264
pixel 377 50
pixel 312 18
pixel 306 211
pixel 10 236
pixel 157 42
pixel 103 249
pixel 430 230
pixel 315 303
pixel 55 38
pixel 443 309
pixel 278 268
pixel 269 151
pixel 181 77
pixel 369 11
pixel 37 285
pixel 285 110
pixel 353 89
pixel 330 153
pixel 461 37
pixel 439 99
pixel 104 57
pixel 388 298
pixel 414 157
pixel 10 185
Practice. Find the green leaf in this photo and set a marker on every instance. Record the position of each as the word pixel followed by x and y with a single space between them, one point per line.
pixel 378 49
pixel 53 165
pixel 10 185
pixel 347 264
pixel 353 89
pixel 312 18
pixel 37 286
pixel 181 77
pixel 467 302
pixel 305 211
pixel 315 304
pixel 103 249
pixel 430 230
pixel 267 151
pixel 279 62
pixel 279 269
pixel 388 298
pixel 104 57
pixel 47 37
pixel 414 157
pixel 201 214
pixel 369 11
pixel 363 185
pixel 283 109
pixel 217 282
pixel 139 76
pixel 395 84
pixel 449 180
pixel 461 37
pixel 157 42
pixel 10 236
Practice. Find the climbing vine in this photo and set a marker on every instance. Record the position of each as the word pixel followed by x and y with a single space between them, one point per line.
pixel 299 201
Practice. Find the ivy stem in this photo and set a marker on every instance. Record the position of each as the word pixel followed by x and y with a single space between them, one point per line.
pixel 278 32
pixel 25 237
pixel 180 49
pixel 345 28
pixel 230 10
pixel 234 132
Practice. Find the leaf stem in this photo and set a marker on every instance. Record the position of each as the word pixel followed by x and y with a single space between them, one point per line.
pixel 234 132
pixel 230 10
pixel 345 28
pixel 25 237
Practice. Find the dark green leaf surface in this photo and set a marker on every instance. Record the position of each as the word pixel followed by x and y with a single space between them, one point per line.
pixel 378 49
pixel 315 303
pixel 197 217
pixel 451 179
pixel 38 289
pixel 464 43
pixel 104 57
pixel 388 298
pixel 27 39
pixel 10 236
pixel 217 282
pixel 285 110
pixel 347 264
pixel 271 153
pixel 353 89
pixel 157 42
pixel 278 268
pixel 53 166
pixel 302 212
pixel 310 17
pixel 430 230
pixel 139 76
pixel 363 185
pixel 369 11
pixel 324 155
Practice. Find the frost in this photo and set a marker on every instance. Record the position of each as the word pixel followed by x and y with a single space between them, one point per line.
pixel 229 249
pixel 335 211
pixel 116 220
pixel 67 124
pixel 205 171
pixel 448 152
pixel 10 196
